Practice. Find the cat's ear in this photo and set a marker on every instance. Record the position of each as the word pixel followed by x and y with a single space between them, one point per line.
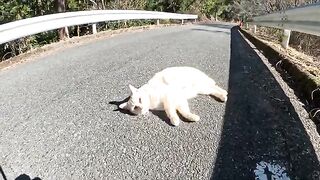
pixel 123 105
pixel 132 88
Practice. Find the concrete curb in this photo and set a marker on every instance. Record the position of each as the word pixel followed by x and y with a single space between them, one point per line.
pixel 303 81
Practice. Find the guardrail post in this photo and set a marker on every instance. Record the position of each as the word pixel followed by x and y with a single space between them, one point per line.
pixel 286 38
pixel 255 29
pixel 94 28
pixel 182 21
pixel 67 31
pixel 158 22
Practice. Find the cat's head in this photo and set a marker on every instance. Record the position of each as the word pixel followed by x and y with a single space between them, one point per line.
pixel 136 103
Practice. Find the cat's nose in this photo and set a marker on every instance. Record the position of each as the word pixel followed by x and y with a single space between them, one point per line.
pixel 137 108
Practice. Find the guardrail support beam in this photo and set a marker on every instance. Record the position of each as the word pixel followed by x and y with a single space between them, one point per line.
pixel 67 31
pixel 94 28
pixel 255 29
pixel 286 38
pixel 158 22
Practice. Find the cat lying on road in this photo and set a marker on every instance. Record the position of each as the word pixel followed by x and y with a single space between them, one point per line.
pixel 169 90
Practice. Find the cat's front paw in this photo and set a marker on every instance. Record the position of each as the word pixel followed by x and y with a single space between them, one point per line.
pixel 175 122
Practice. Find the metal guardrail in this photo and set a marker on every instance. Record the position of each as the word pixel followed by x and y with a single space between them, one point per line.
pixel 304 19
pixel 30 26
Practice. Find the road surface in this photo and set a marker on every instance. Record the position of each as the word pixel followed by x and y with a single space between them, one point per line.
pixel 59 121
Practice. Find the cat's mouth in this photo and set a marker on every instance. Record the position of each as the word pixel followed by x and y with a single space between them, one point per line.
pixel 137 110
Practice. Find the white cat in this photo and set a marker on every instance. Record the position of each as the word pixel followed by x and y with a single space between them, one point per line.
pixel 169 90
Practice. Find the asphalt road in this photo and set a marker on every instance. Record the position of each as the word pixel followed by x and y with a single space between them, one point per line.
pixel 58 118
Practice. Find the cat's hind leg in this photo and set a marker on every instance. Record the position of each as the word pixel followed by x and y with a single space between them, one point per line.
pixel 219 93
pixel 184 110
pixel 171 111
pixel 210 88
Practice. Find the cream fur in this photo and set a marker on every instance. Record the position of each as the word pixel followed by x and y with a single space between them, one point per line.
pixel 169 90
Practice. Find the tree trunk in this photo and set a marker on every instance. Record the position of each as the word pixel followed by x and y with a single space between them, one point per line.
pixel 61 7
pixel 39 8
pixel 103 5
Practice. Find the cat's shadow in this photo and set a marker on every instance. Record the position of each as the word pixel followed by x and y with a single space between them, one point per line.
pixel 160 114
pixel 163 116
pixel 117 103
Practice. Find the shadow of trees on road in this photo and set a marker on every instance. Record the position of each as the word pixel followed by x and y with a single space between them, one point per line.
pixel 226 26
pixel 260 123
pixel 211 30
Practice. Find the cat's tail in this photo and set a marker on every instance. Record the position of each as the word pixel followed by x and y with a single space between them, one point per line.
pixel 219 93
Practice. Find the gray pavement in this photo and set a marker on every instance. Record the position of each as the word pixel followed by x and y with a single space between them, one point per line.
pixel 58 118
